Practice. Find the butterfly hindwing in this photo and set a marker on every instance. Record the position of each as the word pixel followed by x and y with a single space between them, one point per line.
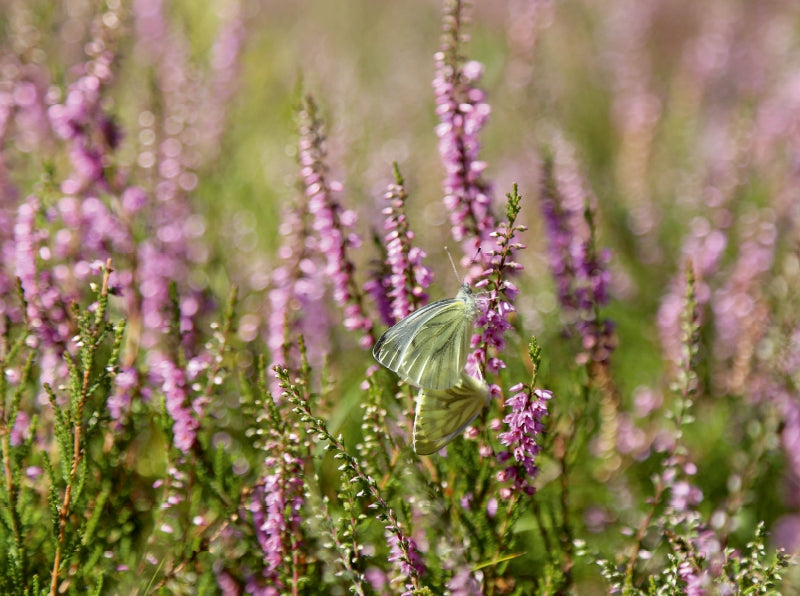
pixel 441 415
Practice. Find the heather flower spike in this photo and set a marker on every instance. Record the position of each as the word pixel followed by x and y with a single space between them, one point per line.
pixel 578 268
pixel 462 110
pixel 403 289
pixel 501 290
pixel 332 223
pixel 523 427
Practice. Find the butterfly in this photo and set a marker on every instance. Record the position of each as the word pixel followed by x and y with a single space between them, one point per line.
pixel 441 415
pixel 428 349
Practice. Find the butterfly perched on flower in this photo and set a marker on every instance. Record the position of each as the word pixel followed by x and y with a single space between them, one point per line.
pixel 428 349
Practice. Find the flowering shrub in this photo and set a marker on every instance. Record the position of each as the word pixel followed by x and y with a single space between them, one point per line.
pixel 188 403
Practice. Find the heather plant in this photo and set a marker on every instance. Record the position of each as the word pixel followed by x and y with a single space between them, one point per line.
pixel 198 253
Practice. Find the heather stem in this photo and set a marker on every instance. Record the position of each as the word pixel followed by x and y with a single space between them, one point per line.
pixel 685 387
pixel 316 426
pixel 77 446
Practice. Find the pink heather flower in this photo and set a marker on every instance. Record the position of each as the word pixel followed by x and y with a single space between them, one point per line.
pixel 786 532
pixel 225 63
pixel 119 401
pixel 276 508
pixel 46 311
pixel 579 270
pixel 705 247
pixel 524 424
pixel 178 403
pixel 227 585
pixel 376 578
pixel 462 111
pixel 406 566
pixel 496 311
pixel 186 126
pixel 26 241
pixel 332 223
pixel 464 583
pixel 296 295
pixel 684 496
pixel 21 430
pixel 790 437
pixel 80 120
pixel 408 277
pixel 696 580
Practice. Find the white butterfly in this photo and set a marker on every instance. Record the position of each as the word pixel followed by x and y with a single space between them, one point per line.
pixel 442 415
pixel 429 347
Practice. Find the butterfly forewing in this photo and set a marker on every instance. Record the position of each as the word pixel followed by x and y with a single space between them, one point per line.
pixel 429 347
pixel 442 415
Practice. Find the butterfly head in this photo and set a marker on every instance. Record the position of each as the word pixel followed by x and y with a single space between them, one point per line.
pixel 465 293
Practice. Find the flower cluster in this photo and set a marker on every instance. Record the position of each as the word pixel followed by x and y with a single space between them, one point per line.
pixel 408 278
pixel 495 318
pixel 176 393
pixel 297 286
pixel 404 554
pixel 276 507
pixel 705 247
pixel 462 110
pixel 157 450
pixel 81 120
pixel 579 270
pixel 525 424
pixel 332 223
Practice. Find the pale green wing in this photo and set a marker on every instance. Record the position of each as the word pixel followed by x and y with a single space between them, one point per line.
pixel 442 415
pixel 429 347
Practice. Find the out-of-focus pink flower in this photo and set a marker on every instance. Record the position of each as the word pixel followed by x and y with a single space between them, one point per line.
pixel 463 111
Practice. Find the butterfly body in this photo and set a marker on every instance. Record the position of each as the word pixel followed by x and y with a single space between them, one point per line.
pixel 428 349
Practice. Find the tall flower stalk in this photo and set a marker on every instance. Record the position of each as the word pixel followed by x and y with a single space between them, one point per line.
pixel 462 111
pixel 578 267
pixel 495 319
pixel 408 279
pixel 524 425
pixel 333 225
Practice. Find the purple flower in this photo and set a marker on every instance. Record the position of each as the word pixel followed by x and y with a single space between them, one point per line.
pixel 80 121
pixel 704 246
pixel 45 304
pixel 696 580
pixel 404 287
pixel 331 222
pixel 276 508
pixel 178 403
pixel 524 424
pixel 464 583
pixel 493 318
pixel 296 296
pixel 224 80
pixel 579 270
pixel 462 111
pixel 21 430
pixel 403 552
pixel 684 496
pixel 119 401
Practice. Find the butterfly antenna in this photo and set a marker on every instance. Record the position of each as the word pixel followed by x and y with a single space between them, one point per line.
pixel 449 256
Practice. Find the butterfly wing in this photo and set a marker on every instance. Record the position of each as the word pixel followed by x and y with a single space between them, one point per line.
pixel 429 347
pixel 442 415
